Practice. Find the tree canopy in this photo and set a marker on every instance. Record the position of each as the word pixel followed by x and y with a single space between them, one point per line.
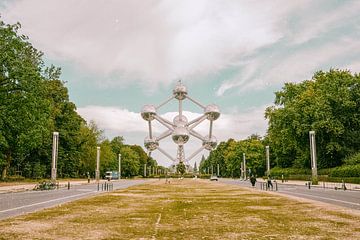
pixel 34 102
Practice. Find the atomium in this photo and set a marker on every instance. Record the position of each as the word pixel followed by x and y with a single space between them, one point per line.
pixel 151 144
pixel 148 112
pixel 180 129
pixel 209 143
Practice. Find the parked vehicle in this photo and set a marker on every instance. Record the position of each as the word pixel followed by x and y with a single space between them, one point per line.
pixel 111 175
pixel 214 178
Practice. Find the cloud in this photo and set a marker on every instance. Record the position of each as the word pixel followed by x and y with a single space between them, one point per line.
pixel 121 122
pixel 153 42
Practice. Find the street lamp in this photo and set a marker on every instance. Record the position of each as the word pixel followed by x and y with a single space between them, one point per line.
pixel 313 157
pixel 119 166
pixel 55 149
pixel 267 160
pixel 97 172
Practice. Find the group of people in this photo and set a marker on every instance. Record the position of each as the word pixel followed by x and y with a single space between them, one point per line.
pixel 253 181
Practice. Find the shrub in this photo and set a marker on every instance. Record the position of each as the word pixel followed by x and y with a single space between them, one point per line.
pixel 46 185
pixel 353 159
pixel 278 172
pixel 345 171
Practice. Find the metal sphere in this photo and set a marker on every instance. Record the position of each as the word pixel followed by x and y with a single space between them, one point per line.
pixel 180 91
pixel 151 144
pixel 212 112
pixel 148 112
pixel 180 135
pixel 209 143
pixel 180 121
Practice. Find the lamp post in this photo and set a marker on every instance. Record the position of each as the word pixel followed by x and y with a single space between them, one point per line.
pixel 244 166
pixel 314 177
pixel 54 156
pixel 119 166
pixel 97 172
pixel 267 160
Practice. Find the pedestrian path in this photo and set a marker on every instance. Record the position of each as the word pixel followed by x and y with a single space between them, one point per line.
pixel 332 185
pixel 30 186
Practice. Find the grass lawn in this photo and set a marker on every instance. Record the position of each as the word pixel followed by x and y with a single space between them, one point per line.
pixel 185 209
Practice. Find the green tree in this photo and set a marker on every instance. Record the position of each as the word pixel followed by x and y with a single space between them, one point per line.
pixel 130 162
pixel 327 104
pixel 24 112
pixel 181 168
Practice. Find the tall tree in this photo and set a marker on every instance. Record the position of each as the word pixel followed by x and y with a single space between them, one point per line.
pixel 327 104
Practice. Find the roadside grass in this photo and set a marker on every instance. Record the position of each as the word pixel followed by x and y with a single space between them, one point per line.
pixel 184 209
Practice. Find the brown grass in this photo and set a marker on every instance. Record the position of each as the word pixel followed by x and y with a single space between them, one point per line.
pixel 185 209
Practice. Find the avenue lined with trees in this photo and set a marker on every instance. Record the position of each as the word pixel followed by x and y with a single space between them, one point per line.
pixel 328 104
pixel 34 103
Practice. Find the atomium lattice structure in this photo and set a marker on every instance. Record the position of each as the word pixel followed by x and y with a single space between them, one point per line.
pixel 180 129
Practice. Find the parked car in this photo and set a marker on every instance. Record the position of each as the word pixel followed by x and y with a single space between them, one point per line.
pixel 214 178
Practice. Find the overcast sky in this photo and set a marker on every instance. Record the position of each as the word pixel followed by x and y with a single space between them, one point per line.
pixel 117 56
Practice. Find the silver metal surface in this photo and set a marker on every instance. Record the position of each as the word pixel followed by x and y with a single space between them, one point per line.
pixel 151 144
pixel 210 143
pixel 148 112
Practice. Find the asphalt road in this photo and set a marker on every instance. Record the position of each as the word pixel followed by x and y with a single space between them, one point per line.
pixel 348 199
pixel 14 204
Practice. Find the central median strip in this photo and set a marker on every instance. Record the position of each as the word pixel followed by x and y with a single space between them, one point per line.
pixel 185 209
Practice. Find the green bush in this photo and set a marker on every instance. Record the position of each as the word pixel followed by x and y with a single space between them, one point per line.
pixel 205 176
pixel 15 178
pixel 345 171
pixel 277 172
pixel 355 180
pixel 45 185
pixel 353 159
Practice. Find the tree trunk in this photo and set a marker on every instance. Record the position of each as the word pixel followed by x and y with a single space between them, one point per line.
pixel 6 167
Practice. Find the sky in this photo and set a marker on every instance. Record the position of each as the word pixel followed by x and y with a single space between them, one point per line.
pixel 117 56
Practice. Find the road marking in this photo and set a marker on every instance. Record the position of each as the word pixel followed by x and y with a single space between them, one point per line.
pixel 53 200
pixel 325 198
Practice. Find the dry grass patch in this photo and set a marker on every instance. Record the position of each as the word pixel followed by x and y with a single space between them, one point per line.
pixel 184 209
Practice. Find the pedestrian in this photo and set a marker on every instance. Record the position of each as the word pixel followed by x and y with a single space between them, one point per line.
pixel 269 183
pixel 253 180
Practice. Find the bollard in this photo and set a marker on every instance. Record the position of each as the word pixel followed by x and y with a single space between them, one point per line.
pixel 88 180
pixel 98 186
pixel 309 185
pixel 276 187
pixel 102 187
pixel 68 186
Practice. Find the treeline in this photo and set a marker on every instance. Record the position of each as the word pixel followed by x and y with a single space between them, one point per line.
pixel 229 156
pixel 34 103
pixel 328 104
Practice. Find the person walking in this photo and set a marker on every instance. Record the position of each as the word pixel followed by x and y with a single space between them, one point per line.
pixel 269 183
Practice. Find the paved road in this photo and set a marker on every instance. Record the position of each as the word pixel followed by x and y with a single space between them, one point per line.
pixel 348 199
pixel 13 204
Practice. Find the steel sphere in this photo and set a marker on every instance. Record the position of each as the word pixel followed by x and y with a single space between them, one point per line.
pixel 180 121
pixel 212 112
pixel 180 91
pixel 180 135
pixel 151 144
pixel 209 143
pixel 148 112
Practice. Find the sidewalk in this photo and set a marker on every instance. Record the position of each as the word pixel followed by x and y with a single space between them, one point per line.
pixel 332 185
pixel 31 186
